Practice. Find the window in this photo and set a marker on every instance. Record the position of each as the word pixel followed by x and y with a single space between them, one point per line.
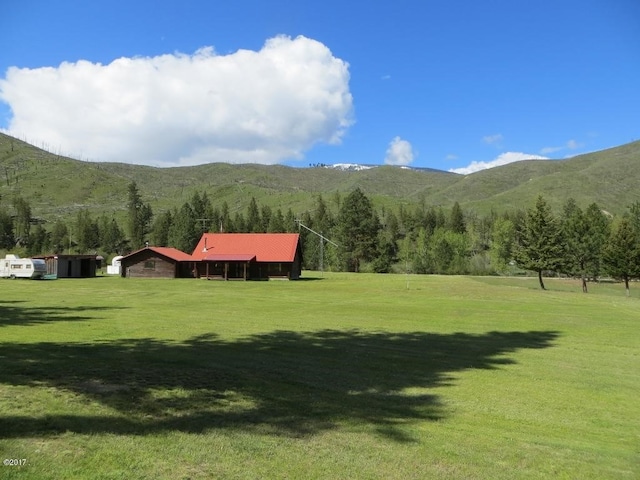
pixel 150 265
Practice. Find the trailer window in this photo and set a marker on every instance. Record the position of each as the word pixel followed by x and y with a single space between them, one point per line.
pixel 27 266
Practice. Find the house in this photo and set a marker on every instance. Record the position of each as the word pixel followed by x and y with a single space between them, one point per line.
pixel 157 262
pixel 248 256
pixel 71 266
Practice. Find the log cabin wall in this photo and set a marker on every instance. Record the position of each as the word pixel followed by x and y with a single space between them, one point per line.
pixel 148 264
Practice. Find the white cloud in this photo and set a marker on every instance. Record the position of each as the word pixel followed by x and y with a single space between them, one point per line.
pixel 503 159
pixel 399 152
pixel 570 145
pixel 493 139
pixel 262 106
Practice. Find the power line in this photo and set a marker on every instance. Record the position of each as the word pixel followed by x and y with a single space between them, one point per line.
pixel 322 240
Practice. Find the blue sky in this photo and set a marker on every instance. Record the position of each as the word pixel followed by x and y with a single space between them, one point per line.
pixel 455 85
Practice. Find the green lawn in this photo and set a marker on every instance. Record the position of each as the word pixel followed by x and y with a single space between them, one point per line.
pixel 344 376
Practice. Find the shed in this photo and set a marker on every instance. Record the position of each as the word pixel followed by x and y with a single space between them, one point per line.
pixel 157 262
pixel 248 256
pixel 71 266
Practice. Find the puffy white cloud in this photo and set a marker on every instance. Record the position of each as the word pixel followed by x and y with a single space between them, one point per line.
pixel 399 152
pixel 262 106
pixel 503 159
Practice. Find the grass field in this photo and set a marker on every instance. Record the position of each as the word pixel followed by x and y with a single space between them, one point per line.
pixel 344 376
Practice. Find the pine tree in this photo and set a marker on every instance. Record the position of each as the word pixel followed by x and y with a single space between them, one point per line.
pixel 161 228
pixel 357 230
pixel 59 237
pixel 253 223
pixel 22 221
pixel 184 234
pixel 621 255
pixel 6 230
pixel 139 217
pixel 539 241
pixel 86 232
pixel 584 234
pixel 456 219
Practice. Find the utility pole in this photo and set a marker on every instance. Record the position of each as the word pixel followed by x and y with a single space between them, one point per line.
pixel 322 240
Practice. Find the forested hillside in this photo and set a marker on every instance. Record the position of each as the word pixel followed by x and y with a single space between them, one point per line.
pixel 383 219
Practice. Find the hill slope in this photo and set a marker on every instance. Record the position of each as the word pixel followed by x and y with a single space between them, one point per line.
pixel 58 186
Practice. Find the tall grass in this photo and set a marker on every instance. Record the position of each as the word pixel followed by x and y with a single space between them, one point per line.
pixel 342 376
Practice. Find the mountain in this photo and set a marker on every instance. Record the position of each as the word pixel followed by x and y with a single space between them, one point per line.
pixel 58 186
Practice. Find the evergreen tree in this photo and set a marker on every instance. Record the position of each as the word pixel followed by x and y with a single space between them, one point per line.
pixel 22 221
pixel 239 223
pixel 265 217
pixel 86 232
pixel 113 238
pixel 420 255
pixel 226 225
pixel 584 234
pixel 161 228
pixel 456 219
pixel 322 222
pixel 621 255
pixel 6 230
pixel 253 222
pixel 386 253
pixel 539 241
pixel 290 222
pixel 39 241
pixel 357 230
pixel 276 223
pixel 59 237
pixel 184 234
pixel 139 217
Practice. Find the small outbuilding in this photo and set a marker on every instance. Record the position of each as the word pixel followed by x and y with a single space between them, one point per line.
pixel 248 256
pixel 157 262
pixel 114 268
pixel 71 266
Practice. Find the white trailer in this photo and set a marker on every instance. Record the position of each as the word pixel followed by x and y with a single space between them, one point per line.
pixel 12 266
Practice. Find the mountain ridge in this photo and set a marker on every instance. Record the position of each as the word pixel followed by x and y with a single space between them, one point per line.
pixel 58 186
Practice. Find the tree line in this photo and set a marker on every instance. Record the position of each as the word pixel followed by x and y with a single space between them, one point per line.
pixel 584 244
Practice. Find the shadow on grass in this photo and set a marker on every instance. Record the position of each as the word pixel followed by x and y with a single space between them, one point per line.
pixel 11 313
pixel 281 383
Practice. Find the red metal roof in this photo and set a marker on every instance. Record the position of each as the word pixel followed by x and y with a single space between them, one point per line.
pixel 266 247
pixel 172 253
pixel 230 257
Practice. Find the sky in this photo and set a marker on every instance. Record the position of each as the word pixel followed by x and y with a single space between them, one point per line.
pixel 455 85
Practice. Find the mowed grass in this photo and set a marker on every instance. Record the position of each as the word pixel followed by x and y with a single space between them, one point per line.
pixel 344 376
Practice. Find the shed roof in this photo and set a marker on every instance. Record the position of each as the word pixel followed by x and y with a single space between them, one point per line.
pixel 266 247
